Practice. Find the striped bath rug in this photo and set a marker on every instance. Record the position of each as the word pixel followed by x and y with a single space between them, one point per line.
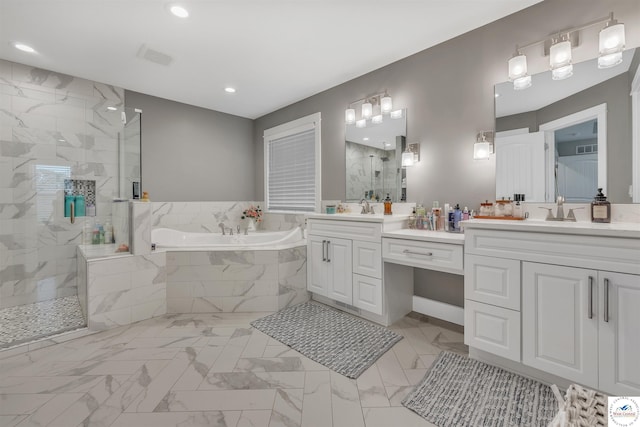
pixel 339 341
pixel 458 391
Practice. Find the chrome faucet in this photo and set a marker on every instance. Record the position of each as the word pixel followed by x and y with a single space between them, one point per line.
pixel 560 212
pixel 560 203
pixel 366 208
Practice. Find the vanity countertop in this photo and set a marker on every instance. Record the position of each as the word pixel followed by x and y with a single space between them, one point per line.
pixel 359 217
pixel 614 229
pixel 426 236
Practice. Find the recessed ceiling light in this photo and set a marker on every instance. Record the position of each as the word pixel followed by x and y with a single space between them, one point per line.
pixel 365 139
pixel 179 11
pixel 24 47
pixel 111 108
pixel 229 90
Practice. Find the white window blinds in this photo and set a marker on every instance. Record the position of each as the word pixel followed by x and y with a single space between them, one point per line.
pixel 292 172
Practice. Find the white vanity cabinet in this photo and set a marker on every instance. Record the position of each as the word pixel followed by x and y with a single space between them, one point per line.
pixel 344 266
pixel 560 298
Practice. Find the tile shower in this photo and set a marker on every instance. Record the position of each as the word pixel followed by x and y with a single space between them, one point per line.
pixel 53 127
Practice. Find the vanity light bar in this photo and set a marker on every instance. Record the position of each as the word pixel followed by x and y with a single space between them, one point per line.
pixel 611 44
pixel 372 108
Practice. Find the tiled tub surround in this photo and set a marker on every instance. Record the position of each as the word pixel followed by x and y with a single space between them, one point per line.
pixel 52 127
pixel 123 289
pixel 236 281
pixel 205 216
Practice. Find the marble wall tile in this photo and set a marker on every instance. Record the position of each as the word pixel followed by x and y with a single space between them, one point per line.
pixel 140 227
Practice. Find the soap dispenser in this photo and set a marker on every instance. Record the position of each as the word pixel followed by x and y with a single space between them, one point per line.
pixel 600 208
pixel 387 205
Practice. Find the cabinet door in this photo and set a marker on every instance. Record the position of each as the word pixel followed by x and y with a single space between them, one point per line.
pixel 492 281
pixel 619 327
pixel 367 293
pixel 367 258
pixel 316 265
pixel 339 270
pixel 559 325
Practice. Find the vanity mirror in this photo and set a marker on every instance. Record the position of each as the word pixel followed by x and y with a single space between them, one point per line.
pixel 568 137
pixel 373 160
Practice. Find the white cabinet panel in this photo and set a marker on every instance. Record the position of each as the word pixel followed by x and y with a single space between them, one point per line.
pixel 493 329
pixel 367 258
pixel 493 281
pixel 619 333
pixel 367 293
pixel 558 335
pixel 339 269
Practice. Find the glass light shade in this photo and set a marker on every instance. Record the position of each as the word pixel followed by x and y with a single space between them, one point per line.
pixel 562 73
pixel 522 83
pixel 407 159
pixel 481 150
pixel 350 116
pixel 377 119
pixel 361 123
pixel 560 55
pixel 396 114
pixel 385 104
pixel 611 60
pixel 517 67
pixel 611 39
pixel 367 110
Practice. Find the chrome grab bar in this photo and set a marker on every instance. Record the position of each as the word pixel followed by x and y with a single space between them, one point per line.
pixel 407 251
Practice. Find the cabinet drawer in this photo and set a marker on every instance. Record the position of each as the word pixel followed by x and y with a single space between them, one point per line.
pixel 367 293
pixel 433 256
pixel 356 230
pixel 493 329
pixel 367 258
pixel 493 281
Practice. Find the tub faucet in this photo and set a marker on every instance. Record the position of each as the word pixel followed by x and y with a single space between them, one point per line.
pixel 222 227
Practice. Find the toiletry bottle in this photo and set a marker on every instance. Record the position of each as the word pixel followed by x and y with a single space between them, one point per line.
pixel 69 200
pixel 136 190
pixel 465 214
pixel 447 211
pixel 95 237
pixel 87 233
pixel 518 211
pixel 80 206
pixel 600 208
pixel 101 235
pixel 91 210
pixel 412 219
pixel 420 210
pixel 108 233
pixel 387 205
pixel 457 217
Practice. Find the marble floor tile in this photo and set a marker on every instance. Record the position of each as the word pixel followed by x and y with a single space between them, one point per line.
pixel 210 369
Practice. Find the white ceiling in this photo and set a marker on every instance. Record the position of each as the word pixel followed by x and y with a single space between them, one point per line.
pixel 274 52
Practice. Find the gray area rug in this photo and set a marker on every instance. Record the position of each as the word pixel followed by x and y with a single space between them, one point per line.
pixel 334 339
pixel 458 391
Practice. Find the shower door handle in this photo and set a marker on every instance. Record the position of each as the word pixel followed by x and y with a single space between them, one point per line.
pixel 72 212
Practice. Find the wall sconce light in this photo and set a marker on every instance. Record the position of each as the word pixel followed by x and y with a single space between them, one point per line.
pixel 560 59
pixel 611 44
pixel 411 155
pixel 483 146
pixel 372 108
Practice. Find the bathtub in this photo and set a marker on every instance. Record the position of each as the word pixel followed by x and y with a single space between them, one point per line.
pixel 166 238
pixel 209 273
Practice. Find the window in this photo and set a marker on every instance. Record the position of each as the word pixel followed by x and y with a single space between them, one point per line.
pixel 292 166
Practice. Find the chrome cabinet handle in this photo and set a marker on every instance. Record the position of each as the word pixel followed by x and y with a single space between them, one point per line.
pixel 328 243
pixel 590 310
pixel 606 300
pixel 407 251
pixel 324 245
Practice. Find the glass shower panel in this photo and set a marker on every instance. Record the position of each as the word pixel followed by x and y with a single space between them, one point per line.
pixel 57 139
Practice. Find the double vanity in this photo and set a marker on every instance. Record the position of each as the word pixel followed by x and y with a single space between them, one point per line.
pixel 556 301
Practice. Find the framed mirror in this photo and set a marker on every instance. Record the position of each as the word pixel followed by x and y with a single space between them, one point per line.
pixel 567 137
pixel 374 160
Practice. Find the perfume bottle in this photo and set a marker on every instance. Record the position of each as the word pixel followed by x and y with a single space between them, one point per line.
pixel 600 208
pixel 387 205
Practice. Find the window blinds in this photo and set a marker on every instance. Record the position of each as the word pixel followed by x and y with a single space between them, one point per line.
pixel 291 172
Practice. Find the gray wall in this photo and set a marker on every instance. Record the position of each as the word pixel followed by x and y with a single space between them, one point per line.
pixel 448 91
pixel 194 154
